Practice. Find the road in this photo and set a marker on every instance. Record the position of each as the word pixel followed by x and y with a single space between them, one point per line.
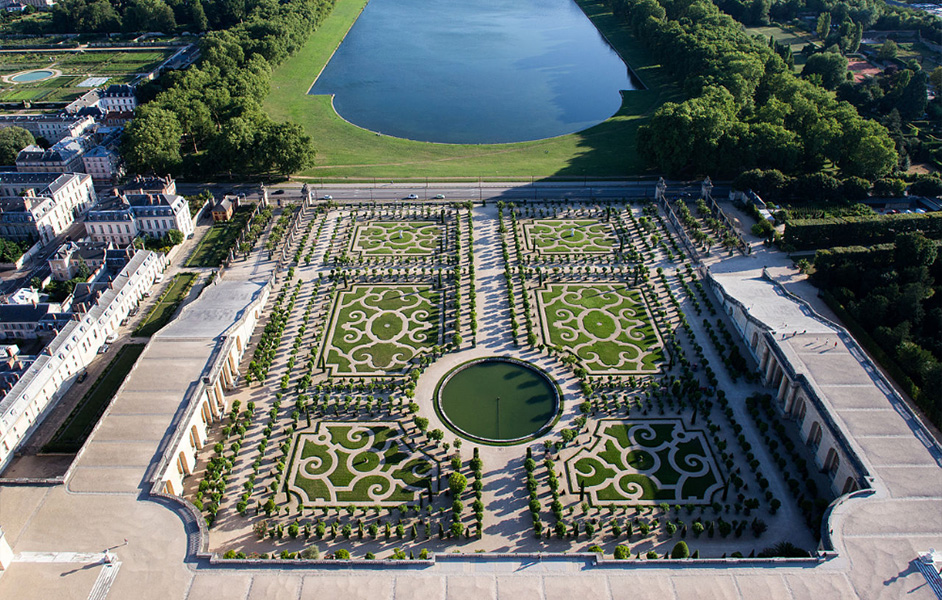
pixel 387 192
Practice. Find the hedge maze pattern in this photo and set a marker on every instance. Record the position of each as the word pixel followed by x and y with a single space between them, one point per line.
pixel 645 461
pixel 397 238
pixel 358 463
pixel 378 329
pixel 569 236
pixel 606 325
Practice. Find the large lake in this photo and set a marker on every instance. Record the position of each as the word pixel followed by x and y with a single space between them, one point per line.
pixel 474 71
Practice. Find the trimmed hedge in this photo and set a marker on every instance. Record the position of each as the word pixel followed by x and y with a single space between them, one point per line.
pixel 806 234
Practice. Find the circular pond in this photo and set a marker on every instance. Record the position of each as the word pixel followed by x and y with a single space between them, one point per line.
pixel 31 76
pixel 497 400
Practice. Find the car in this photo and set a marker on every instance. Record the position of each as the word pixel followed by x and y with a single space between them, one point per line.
pixel 82 376
pixel 327 197
pixel 103 349
pixel 412 197
pixel 278 192
pixel 439 197
pixel 112 338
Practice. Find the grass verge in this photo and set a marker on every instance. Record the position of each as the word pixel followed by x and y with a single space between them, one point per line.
pixel 221 237
pixel 166 305
pixel 349 152
pixel 80 422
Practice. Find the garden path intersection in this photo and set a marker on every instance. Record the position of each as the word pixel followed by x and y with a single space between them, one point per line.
pixel 390 307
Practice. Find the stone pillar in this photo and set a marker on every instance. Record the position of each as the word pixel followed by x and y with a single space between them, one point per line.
pixel 782 389
pixel 789 399
pixel 770 369
pixel 660 189
pixel 706 187
pixel 226 377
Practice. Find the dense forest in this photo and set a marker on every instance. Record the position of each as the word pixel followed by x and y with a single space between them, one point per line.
pixel 745 107
pixel 209 119
pixel 893 292
pixel 104 16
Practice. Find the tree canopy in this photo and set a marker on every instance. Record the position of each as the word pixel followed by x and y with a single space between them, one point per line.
pixel 12 140
pixel 213 118
pixel 745 108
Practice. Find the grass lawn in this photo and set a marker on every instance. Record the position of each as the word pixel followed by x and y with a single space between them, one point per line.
pixel 666 462
pixel 215 245
pixel 353 464
pixel 348 152
pixel 73 433
pixel 399 238
pixel 377 330
pixel 606 325
pixel 163 311
pixel 569 236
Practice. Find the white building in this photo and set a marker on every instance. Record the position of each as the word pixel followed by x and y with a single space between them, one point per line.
pixel 117 98
pixel 103 165
pixel 145 207
pixel 42 205
pixel 51 127
pixel 65 156
pixel 76 344
pixel 65 263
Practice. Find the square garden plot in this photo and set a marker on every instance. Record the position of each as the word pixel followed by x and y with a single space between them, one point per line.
pixel 645 461
pixel 396 238
pixel 607 325
pixel 376 330
pixel 360 464
pixel 569 236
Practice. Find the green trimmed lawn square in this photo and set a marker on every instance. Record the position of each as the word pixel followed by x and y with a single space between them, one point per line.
pixel 359 463
pixel 378 329
pixel 645 461
pixel 397 238
pixel 606 325
pixel 215 245
pixel 569 236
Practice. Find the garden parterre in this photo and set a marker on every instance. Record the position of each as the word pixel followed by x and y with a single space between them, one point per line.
pixel 364 313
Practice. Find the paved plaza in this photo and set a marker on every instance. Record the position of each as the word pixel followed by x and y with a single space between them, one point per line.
pixel 60 534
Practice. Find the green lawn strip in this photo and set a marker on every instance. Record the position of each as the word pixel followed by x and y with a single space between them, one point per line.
pixel 347 151
pixel 215 245
pixel 80 422
pixel 166 305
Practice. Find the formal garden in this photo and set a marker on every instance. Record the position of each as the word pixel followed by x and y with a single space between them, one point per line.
pixel 336 441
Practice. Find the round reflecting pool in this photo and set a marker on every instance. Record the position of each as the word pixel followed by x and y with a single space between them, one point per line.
pixel 498 400
pixel 31 76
